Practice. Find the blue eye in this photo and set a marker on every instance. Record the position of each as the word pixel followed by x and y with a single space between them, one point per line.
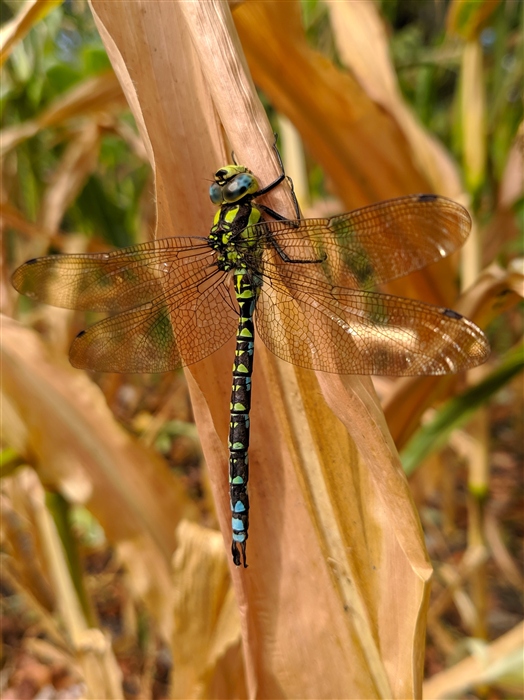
pixel 215 194
pixel 238 187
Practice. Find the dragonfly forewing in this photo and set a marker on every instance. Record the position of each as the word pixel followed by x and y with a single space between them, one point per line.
pixel 116 281
pixel 375 244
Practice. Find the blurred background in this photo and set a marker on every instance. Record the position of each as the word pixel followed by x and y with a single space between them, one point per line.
pixel 445 82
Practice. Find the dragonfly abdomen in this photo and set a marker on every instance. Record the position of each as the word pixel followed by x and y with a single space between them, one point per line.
pixel 246 294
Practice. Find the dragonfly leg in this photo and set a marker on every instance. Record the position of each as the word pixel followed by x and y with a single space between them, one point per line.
pixel 274 214
pixel 298 213
pixel 271 185
pixel 277 182
pixel 285 257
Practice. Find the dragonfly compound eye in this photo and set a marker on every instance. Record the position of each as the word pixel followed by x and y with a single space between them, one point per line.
pixel 239 187
pixel 215 194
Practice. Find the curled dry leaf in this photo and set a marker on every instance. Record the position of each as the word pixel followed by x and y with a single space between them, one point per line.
pixel 80 450
pixel 206 624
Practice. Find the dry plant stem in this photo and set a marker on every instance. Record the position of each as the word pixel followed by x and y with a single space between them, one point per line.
pixel 468 673
pixel 473 109
pixel 455 578
pixel 495 536
pixel 90 647
pixel 479 581
pixel 67 601
pixel 475 450
pixel 448 485
pixel 44 621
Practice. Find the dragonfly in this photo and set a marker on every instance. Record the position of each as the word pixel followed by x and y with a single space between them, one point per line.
pixel 306 285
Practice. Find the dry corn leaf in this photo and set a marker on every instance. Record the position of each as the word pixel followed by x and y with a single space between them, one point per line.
pixel 350 643
pixel 100 93
pixel 363 47
pixel 14 31
pixel 79 448
pixel 206 618
pixel 344 129
pixel 77 163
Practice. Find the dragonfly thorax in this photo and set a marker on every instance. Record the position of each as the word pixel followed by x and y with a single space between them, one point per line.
pixel 232 236
pixel 232 184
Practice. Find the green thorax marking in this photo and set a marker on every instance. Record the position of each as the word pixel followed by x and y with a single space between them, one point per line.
pixel 231 236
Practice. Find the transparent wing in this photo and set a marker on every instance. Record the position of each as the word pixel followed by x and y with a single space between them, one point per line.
pixel 369 246
pixel 178 329
pixel 358 332
pixel 116 281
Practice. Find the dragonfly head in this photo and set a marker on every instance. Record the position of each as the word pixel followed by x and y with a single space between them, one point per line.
pixel 232 183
